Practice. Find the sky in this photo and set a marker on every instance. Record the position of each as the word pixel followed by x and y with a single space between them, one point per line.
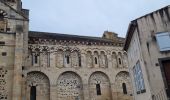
pixel 88 17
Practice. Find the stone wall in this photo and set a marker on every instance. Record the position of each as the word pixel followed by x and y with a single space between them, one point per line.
pixel 13 47
pixel 143 47
pixel 75 70
pixel 55 70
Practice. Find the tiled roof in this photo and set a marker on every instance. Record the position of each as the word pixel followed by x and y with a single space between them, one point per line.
pixel 58 36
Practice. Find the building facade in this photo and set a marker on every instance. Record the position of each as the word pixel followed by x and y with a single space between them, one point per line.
pixel 52 66
pixel 147 45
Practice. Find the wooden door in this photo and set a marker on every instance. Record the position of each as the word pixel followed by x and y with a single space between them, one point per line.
pixel 166 66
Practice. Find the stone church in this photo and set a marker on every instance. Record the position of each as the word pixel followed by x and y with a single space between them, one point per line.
pixel 53 66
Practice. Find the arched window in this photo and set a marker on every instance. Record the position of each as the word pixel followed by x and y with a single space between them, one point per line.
pixel 120 62
pixel 67 59
pixel 98 89
pixel 80 61
pixel 124 88
pixel 36 59
pixel 95 60
pixel 33 93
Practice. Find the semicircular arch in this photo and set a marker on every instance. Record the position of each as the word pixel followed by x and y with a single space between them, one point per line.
pixel 123 78
pixel 99 86
pixel 40 82
pixel 69 85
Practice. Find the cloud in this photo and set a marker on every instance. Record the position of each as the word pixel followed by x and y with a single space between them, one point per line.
pixel 87 17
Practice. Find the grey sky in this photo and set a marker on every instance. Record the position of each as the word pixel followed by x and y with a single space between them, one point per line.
pixel 88 17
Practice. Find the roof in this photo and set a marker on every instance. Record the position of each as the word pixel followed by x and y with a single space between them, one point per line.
pixel 129 35
pixel 133 25
pixel 59 36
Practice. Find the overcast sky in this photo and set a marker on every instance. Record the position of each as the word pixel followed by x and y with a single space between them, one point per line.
pixel 88 17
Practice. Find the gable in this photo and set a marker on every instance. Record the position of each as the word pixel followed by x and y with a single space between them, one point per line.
pixel 12 13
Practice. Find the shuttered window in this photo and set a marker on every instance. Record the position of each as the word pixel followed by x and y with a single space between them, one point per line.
pixel 163 41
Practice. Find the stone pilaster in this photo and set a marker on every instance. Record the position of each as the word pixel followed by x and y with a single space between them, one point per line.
pixel 109 61
pixel 53 92
pixel 24 86
pixel 17 83
pixel 83 60
pixel 114 91
pixel 86 91
pixel 52 60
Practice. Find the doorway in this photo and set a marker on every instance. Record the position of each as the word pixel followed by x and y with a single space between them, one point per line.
pixel 33 93
pixel 166 68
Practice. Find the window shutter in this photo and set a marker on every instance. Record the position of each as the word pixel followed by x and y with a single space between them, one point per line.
pixel 163 40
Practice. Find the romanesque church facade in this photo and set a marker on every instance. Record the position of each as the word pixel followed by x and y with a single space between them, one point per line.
pixel 52 66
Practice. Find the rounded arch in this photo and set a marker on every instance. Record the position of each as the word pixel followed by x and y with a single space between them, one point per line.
pixel 75 58
pixel 69 86
pixel 34 75
pixel 114 54
pixel 123 79
pixel 67 49
pixel 89 51
pixel 72 72
pixel 103 60
pixel 99 86
pixel 120 53
pixel 41 83
pixel 89 59
pixel 59 58
pixel 76 50
pixel 60 48
pixel 124 74
pixel 96 59
pixel 36 69
pixel 119 58
pixel 124 53
pixel 101 73
pixel 114 59
pixel 96 52
pixel 103 51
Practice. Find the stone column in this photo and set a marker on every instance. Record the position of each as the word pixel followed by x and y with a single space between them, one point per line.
pixel 24 86
pixel 17 82
pixel 52 60
pixel 86 91
pixel 109 61
pixel 93 63
pixel 83 60
pixel 53 90
pixel 100 61
pixel 114 91
pixel 125 61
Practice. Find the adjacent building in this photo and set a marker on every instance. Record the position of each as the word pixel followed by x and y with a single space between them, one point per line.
pixel 148 49
pixel 53 66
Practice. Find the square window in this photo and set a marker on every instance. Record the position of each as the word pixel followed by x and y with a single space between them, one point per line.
pixel 2 43
pixel 163 40
pixel 4 54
